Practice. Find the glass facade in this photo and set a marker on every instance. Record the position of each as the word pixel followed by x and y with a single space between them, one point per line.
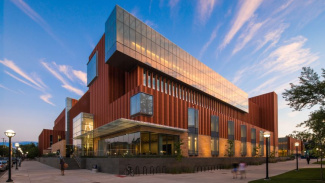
pixel 141 104
pixel 243 139
pixel 231 133
pixel 132 37
pixel 193 130
pixel 214 135
pixel 261 143
pixel 92 70
pixel 253 141
pixel 283 146
pixel 139 143
pixel 83 124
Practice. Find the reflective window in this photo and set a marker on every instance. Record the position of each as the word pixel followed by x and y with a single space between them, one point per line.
pixel 253 141
pixel 92 70
pixel 153 82
pixel 214 135
pixel 173 90
pixel 141 104
pixel 176 93
pixel 158 82
pixel 162 84
pixel 193 128
pixel 144 77
pixel 261 151
pixel 231 133
pixel 169 89
pixel 180 92
pixel 149 79
pixel 243 139
pixel 166 87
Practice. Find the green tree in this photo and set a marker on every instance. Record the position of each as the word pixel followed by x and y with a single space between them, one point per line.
pixel 4 151
pixel 230 148
pixel 178 149
pixel 308 93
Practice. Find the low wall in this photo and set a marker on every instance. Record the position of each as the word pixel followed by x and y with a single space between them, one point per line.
pixel 118 165
pixel 55 162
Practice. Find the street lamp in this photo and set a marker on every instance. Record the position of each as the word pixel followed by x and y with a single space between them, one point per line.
pixel 16 145
pixel 267 136
pixel 9 134
pixel 20 156
pixel 297 144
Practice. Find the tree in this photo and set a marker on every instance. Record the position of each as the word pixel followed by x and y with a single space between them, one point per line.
pixel 178 149
pixel 230 149
pixel 309 93
pixel 256 150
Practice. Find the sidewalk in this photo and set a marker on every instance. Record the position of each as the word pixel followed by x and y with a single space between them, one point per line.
pixel 35 172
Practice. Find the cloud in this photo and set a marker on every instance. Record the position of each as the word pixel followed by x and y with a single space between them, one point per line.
pixel 151 24
pixel 46 98
pixel 272 36
pixel 211 39
pixel 204 10
pixel 1 86
pixel 10 64
pixel 263 86
pixel 65 84
pixel 81 76
pixel 245 12
pixel 245 37
pixel 173 3
pixel 288 58
pixel 20 80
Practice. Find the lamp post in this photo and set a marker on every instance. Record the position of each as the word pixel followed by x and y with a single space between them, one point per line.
pixel 267 136
pixel 297 144
pixel 16 145
pixel 9 134
pixel 20 156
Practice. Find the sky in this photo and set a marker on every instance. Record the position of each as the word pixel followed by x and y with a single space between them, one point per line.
pixel 260 46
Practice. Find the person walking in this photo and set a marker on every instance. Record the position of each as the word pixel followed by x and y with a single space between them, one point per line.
pixel 242 171
pixel 308 159
pixel 234 170
pixel 62 165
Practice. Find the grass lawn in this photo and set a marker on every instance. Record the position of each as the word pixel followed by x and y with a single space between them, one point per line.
pixel 319 162
pixel 303 175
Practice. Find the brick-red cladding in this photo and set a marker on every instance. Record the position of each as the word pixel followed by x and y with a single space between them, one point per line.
pixel 59 123
pixel 111 91
pixel 44 138
pixel 81 105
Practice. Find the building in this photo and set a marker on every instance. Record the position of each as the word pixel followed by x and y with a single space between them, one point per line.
pixel 287 146
pixel 146 95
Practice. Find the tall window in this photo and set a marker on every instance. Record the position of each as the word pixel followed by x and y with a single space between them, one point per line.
pixel 153 82
pixel 243 139
pixel 193 129
pixel 253 141
pixel 162 84
pixel 214 135
pixel 158 83
pixel 173 90
pixel 166 87
pixel 261 143
pixel 176 91
pixel 183 94
pixel 92 70
pixel 149 79
pixel 180 92
pixel 170 89
pixel 144 77
pixel 231 134
pixel 186 96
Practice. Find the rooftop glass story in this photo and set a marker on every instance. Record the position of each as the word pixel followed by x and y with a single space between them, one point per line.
pixel 132 37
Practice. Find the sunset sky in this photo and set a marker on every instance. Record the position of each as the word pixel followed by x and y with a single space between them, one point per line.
pixel 260 46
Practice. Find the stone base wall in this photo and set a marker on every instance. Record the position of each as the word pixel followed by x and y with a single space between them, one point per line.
pixel 59 146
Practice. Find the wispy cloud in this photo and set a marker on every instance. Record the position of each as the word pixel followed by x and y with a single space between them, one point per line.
pixel 263 86
pixel 247 36
pixel 10 64
pixel 204 10
pixel 81 76
pixel 173 3
pixel 211 39
pixel 65 84
pixel 46 98
pixel 245 12
pixel 21 80
pixel 6 88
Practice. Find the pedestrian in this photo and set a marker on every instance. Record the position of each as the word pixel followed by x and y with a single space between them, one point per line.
pixel 234 170
pixel 242 170
pixel 308 159
pixel 62 165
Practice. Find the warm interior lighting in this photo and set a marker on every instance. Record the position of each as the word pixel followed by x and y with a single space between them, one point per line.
pixel 297 144
pixel 266 134
pixel 10 133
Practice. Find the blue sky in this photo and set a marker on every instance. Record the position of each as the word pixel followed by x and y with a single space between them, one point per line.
pixel 260 46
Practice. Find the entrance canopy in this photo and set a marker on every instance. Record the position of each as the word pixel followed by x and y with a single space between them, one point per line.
pixel 123 124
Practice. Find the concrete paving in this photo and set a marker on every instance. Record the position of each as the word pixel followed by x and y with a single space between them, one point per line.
pixel 35 172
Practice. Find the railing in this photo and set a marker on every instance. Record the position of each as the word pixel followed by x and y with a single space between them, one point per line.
pixel 78 160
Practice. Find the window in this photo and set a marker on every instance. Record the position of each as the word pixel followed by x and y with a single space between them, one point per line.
pixel 214 135
pixel 141 104
pixel 170 88
pixel 144 77
pixel 153 82
pixel 186 96
pixel 51 140
pixel 166 87
pixel 176 91
pixel 173 90
pixel 231 134
pixel 183 94
pixel 162 84
pixel 149 79
pixel 261 151
pixel 193 126
pixel 253 141
pixel 92 71
pixel 243 139
pixel 180 92
pixel 158 83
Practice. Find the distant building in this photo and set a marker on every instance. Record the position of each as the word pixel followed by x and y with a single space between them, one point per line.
pixel 146 94
pixel 287 146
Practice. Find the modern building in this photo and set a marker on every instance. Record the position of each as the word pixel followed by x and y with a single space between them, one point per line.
pixel 287 146
pixel 147 95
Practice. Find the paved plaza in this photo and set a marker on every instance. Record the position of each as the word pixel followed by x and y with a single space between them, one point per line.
pixel 35 172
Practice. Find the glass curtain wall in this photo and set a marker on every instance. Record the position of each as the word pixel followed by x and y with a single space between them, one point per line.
pixel 138 144
pixel 261 143
pixel 283 146
pixel 141 104
pixel 253 141
pixel 214 135
pixel 243 139
pixel 83 125
pixel 193 130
